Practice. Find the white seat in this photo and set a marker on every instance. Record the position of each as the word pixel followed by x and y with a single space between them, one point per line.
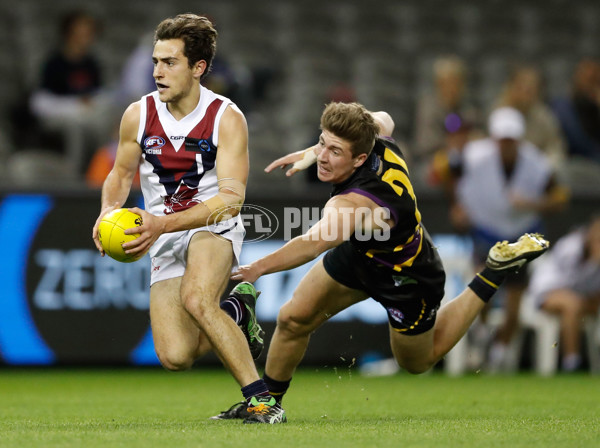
pixel 546 332
pixel 546 328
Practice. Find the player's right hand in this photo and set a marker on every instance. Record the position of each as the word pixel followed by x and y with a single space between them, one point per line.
pixel 104 211
pixel 246 273
pixel 152 227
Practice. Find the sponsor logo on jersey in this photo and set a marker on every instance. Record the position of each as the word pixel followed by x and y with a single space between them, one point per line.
pixel 196 144
pixel 153 145
pixel 155 267
pixel 400 280
pixel 432 314
pixel 177 137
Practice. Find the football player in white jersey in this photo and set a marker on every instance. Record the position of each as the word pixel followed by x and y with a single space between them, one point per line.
pixel 191 146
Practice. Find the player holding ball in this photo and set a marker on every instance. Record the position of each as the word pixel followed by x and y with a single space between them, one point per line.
pixel 191 148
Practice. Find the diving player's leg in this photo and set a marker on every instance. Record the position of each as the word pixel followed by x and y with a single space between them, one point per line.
pixel 317 298
pixel 420 351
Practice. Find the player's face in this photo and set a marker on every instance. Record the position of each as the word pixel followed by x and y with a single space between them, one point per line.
pixel 172 73
pixel 335 162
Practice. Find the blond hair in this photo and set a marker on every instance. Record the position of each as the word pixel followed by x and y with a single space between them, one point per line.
pixel 353 123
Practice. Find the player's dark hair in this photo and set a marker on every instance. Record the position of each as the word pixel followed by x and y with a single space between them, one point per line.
pixel 353 123
pixel 198 34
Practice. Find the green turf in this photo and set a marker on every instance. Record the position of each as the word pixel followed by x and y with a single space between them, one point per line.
pixel 330 407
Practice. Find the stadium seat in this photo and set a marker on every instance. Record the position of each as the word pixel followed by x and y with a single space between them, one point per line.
pixel 546 328
pixel 546 339
pixel 38 168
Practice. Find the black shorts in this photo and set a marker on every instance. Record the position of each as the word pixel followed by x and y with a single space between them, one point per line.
pixel 411 297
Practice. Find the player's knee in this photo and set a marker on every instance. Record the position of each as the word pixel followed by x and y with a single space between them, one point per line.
pixel 173 361
pixel 415 368
pixel 193 304
pixel 574 306
pixel 289 323
pixel 414 364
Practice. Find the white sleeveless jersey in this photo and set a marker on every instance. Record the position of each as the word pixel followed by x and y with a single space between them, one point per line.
pixel 178 165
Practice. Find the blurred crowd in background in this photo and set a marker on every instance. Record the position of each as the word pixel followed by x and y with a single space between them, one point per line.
pixel 460 79
pixel 438 69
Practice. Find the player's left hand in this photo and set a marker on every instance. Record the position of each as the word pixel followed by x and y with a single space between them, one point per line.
pixel 299 160
pixel 149 231
pixel 284 162
pixel 246 273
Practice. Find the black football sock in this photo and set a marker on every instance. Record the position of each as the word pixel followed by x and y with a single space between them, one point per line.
pixel 486 283
pixel 257 388
pixel 235 309
pixel 277 388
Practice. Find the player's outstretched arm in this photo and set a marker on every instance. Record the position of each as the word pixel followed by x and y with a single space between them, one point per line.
pixel 336 226
pixel 299 160
pixel 117 185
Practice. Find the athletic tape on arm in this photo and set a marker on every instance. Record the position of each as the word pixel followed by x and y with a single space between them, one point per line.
pixel 228 201
pixel 308 158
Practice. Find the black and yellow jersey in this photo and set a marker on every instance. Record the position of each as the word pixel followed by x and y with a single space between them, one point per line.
pixel 384 179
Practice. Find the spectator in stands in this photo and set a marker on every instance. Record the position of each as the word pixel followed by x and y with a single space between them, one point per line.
pixel 579 113
pixel 446 164
pixel 567 283
pixel 136 78
pixel 69 98
pixel 506 184
pixel 102 163
pixel 434 110
pixel 523 91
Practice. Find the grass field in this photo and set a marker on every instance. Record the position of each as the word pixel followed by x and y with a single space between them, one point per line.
pixel 326 408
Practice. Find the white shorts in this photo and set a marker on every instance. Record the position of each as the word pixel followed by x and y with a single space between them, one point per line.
pixel 169 252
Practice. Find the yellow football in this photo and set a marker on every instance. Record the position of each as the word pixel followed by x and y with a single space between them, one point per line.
pixel 111 233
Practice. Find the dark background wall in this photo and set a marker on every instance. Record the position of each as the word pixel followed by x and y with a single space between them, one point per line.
pixel 64 304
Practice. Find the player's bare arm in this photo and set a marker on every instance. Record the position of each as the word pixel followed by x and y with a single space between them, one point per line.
pixel 385 122
pixel 327 233
pixel 232 174
pixel 341 216
pixel 299 160
pixel 118 182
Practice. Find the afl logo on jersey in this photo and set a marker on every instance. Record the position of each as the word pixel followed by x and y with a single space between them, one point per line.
pixel 396 314
pixel 153 144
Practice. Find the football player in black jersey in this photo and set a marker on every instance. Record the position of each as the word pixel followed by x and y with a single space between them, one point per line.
pixel 376 247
